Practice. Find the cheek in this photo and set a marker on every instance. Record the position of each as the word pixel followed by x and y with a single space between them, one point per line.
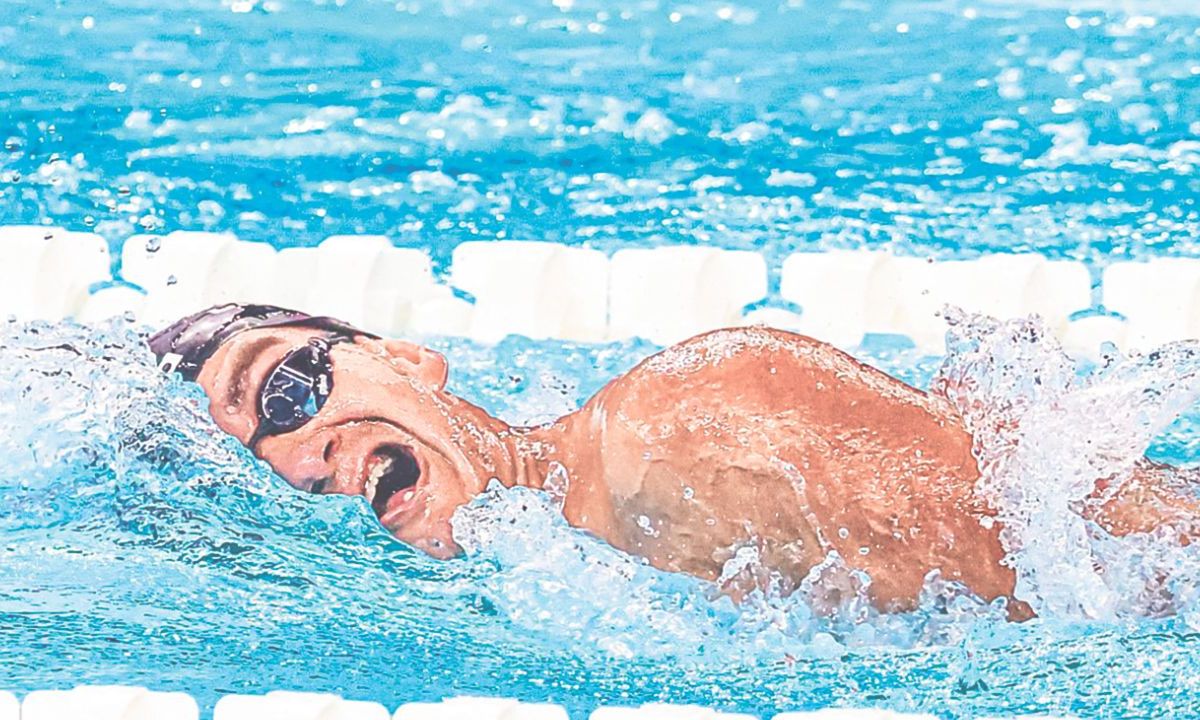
pixel 231 420
pixel 297 460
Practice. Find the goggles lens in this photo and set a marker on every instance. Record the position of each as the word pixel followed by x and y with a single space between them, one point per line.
pixel 296 389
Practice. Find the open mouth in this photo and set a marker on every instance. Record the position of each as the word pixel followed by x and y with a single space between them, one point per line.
pixel 392 470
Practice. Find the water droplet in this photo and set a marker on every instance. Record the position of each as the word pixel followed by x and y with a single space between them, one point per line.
pixel 171 280
pixel 864 550
pixel 128 316
pixel 48 236
pixel 89 221
pixel 688 493
pixel 123 190
pixel 843 533
pixel 153 244
pixel 12 144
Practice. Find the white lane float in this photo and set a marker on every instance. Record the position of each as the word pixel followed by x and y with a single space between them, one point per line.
pixel 668 294
pixel 664 711
pixel 546 290
pixel 536 289
pixel 47 272
pixel 173 269
pixel 842 294
pixel 1002 285
pixel 108 702
pixel 852 714
pixel 479 708
pixel 366 281
pixel 1160 299
pixel 287 705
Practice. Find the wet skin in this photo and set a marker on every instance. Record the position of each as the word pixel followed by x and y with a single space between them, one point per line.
pixel 743 437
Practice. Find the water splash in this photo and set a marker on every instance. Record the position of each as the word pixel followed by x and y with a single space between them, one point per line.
pixel 1045 431
pixel 125 515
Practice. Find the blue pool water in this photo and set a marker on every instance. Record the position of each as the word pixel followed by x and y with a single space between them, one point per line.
pixel 138 547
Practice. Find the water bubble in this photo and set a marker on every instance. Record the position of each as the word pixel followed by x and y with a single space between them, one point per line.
pixel 123 190
pixel 843 533
pixel 12 144
pixel 89 221
pixel 688 493
pixel 171 280
pixel 864 550
pixel 153 244
pixel 128 316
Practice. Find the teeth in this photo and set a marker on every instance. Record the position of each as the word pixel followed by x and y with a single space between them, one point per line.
pixel 377 471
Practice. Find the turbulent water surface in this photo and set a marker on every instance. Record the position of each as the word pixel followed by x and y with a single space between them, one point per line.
pixel 138 546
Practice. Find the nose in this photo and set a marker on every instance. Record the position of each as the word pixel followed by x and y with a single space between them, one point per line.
pixel 306 463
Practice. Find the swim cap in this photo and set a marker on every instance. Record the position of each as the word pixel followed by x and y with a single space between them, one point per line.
pixel 186 344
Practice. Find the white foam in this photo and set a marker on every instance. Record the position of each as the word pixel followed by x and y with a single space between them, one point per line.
pixel 668 294
pixel 535 289
pixel 10 707
pixel 287 705
pixel 108 702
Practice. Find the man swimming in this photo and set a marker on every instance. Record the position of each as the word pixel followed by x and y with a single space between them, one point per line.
pixel 740 437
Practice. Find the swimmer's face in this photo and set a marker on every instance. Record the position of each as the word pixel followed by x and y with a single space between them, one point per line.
pixel 387 430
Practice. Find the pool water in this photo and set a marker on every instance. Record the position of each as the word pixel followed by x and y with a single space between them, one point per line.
pixel 138 546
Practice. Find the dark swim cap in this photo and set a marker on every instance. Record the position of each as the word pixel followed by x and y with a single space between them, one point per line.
pixel 184 345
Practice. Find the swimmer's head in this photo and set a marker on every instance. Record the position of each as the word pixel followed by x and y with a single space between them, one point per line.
pixel 334 409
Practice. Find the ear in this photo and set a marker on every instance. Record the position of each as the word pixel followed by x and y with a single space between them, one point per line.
pixel 428 366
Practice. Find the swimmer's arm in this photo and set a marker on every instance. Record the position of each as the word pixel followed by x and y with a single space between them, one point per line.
pixel 1156 495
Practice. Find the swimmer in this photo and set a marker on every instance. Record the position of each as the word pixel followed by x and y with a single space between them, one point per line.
pixel 740 437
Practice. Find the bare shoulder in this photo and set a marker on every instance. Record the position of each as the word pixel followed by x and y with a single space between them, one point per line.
pixel 759 356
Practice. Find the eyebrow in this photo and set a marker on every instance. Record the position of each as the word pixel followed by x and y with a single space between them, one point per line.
pixel 235 394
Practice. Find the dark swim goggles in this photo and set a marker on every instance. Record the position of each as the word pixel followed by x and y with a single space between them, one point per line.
pixel 296 389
